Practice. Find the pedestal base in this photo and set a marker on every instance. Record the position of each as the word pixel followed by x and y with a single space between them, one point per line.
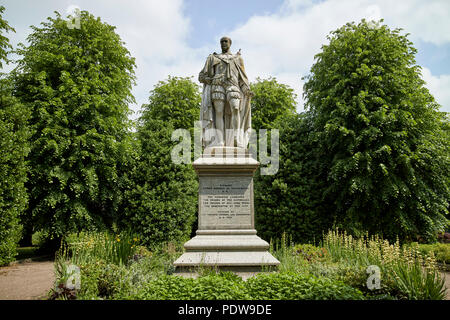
pixel 226 237
pixel 239 251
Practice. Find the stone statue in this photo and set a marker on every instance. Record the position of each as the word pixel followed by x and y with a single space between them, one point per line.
pixel 226 236
pixel 225 110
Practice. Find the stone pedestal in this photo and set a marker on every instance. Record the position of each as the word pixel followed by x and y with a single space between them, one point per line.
pixel 226 237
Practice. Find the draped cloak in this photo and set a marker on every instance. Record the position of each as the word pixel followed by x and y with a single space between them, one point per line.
pixel 207 114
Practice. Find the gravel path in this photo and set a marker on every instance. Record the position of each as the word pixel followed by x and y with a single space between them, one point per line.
pixel 27 280
pixel 447 283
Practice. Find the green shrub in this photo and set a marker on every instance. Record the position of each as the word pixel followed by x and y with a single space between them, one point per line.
pixel 90 274
pixel 227 286
pixel 14 147
pixel 100 280
pixel 352 275
pixel 112 280
pixel 292 286
pixel 38 238
pixel 161 202
pixel 111 270
pixel 223 286
pixel 441 251
pixel 308 274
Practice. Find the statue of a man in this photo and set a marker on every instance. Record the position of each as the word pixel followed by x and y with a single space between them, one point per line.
pixel 225 111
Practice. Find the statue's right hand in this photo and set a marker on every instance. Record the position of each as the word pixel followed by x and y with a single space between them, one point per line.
pixel 208 80
pixel 205 79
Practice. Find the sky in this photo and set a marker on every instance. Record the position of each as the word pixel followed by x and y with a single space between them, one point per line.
pixel 277 38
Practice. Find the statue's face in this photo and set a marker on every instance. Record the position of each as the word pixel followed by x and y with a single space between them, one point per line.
pixel 225 44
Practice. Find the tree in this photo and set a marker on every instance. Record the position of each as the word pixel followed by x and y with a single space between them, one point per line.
pixel 176 100
pixel 77 83
pixel 162 201
pixel 5 46
pixel 14 147
pixel 379 134
pixel 282 204
pixel 290 201
pixel 271 101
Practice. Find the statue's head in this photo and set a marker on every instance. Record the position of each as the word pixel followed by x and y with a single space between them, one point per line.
pixel 225 43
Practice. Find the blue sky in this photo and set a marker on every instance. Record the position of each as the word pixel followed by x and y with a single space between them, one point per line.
pixel 210 18
pixel 278 38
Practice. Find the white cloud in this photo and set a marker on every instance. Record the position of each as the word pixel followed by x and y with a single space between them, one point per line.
pixel 425 20
pixel 439 88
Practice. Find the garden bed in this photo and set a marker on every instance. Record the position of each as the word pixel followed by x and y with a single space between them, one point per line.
pixel 116 267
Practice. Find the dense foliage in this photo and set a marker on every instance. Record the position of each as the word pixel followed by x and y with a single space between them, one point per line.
pixel 176 100
pixel 162 201
pixel 271 101
pixel 282 202
pixel 369 154
pixel 440 250
pixel 5 46
pixel 289 201
pixel 77 83
pixel 227 286
pixel 14 147
pixel 378 133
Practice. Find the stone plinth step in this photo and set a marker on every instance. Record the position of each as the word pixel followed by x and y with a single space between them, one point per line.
pixel 226 232
pixel 223 242
pixel 226 259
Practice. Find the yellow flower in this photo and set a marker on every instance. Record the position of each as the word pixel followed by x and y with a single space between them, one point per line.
pixel 118 240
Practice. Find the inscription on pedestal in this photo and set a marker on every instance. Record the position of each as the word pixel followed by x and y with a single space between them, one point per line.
pixel 226 203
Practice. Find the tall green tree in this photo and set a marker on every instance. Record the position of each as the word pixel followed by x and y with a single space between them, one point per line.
pixel 5 46
pixel 271 101
pixel 289 202
pixel 175 100
pixel 162 200
pixel 280 199
pixel 379 134
pixel 77 81
pixel 14 147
